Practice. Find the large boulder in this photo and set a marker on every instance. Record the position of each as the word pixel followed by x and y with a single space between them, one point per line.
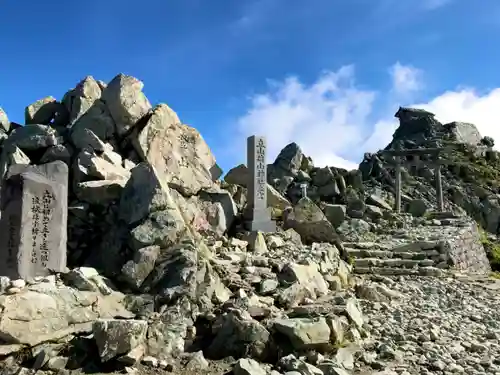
pixel 237 175
pixel 126 102
pixel 79 100
pixel 60 311
pixel 464 132
pixel 310 222
pixel 33 137
pixel 4 121
pixel 117 337
pixel 144 194
pixel 416 125
pixel 46 111
pixel 287 163
pixel 177 151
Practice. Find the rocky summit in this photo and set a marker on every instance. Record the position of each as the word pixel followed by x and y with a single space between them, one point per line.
pixel 123 251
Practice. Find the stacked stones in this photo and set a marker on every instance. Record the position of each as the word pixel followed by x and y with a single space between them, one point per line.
pixel 70 164
pixel 164 285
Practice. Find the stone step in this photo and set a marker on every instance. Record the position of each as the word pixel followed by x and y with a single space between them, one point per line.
pixel 416 247
pixel 388 271
pixel 441 215
pixel 385 254
pixel 393 262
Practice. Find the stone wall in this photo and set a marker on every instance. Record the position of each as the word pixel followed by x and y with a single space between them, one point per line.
pixel 465 250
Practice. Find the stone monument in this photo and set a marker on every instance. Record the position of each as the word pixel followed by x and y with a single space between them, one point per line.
pixel 257 215
pixel 34 218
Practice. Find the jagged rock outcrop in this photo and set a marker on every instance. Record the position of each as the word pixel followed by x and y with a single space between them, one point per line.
pixel 154 277
pixel 163 275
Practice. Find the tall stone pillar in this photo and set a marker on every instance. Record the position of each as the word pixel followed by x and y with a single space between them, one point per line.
pixel 257 215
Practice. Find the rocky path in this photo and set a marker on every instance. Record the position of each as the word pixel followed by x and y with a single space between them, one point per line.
pixel 415 326
pixel 437 326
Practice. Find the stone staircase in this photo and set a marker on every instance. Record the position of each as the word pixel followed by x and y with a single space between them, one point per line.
pixel 446 242
pixel 417 258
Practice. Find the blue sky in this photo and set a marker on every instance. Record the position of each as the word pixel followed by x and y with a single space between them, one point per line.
pixel 328 74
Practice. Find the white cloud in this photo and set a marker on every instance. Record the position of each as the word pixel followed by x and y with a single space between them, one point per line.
pixel 405 78
pixel 335 122
pixel 467 105
pixel 325 118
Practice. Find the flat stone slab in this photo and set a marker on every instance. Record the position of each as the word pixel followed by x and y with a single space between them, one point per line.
pixel 34 220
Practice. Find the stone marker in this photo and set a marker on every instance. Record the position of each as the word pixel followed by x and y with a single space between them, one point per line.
pixel 257 213
pixel 34 217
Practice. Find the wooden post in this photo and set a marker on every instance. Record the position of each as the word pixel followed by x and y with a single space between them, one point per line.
pixel 439 187
pixel 397 171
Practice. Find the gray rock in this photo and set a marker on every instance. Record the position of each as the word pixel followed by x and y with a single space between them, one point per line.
pixel 287 163
pixel 239 335
pixel 57 152
pixel 464 132
pixel 117 337
pixel 81 99
pixel 61 311
pixel 309 221
pixel 177 151
pixel 335 213
pixel 237 175
pixel 135 271
pixel 126 102
pixel 33 137
pixel 417 207
pixel 89 166
pixel 303 332
pixel 164 228
pixel 97 118
pixel 100 193
pixel 4 121
pixel 167 333
pixel 85 139
pixel 45 111
pixel 248 366
pixel 144 193
pixel 375 200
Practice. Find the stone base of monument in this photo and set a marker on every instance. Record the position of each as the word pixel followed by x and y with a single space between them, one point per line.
pixel 259 220
pixel 261 226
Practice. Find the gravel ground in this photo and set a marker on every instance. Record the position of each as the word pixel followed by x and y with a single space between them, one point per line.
pixel 437 326
pixel 430 326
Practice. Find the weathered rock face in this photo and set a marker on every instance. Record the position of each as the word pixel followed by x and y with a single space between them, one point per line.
pixel 310 222
pixel 46 111
pixel 464 132
pixel 416 125
pixel 147 217
pixel 4 121
pixel 287 163
pixel 60 311
pixel 177 151
pixel 81 99
pixel 125 101
pixel 468 175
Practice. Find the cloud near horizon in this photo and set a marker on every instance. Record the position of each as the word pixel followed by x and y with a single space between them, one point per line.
pixel 335 121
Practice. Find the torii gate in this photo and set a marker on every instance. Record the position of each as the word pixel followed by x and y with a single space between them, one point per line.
pixel 416 162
